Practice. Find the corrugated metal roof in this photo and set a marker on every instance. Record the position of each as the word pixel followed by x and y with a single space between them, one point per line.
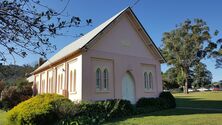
pixel 82 41
pixel 79 43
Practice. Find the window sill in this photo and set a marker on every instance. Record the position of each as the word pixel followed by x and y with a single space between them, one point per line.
pixel 73 92
pixel 103 91
pixel 149 91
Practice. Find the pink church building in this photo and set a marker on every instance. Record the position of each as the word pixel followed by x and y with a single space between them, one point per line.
pixel 117 60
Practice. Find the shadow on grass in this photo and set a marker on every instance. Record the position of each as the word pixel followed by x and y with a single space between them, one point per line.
pixel 168 112
pixel 198 103
pixel 184 102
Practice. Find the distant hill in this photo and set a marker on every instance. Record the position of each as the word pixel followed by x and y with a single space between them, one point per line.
pixel 9 73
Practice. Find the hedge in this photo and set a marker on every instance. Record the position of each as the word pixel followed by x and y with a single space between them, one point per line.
pixel 56 109
pixel 164 101
pixel 90 113
pixel 168 100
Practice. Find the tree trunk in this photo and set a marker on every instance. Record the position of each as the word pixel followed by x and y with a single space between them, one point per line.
pixel 185 89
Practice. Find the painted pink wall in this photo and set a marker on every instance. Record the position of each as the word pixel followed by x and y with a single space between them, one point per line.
pixel 120 49
pixel 126 50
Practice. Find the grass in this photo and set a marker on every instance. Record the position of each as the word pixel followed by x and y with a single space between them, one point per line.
pixel 200 99
pixel 3 120
pixel 182 116
pixel 173 117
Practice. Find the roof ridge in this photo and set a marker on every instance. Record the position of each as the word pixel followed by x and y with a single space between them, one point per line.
pixel 80 42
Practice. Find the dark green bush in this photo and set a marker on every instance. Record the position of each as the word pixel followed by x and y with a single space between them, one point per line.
pixel 164 101
pixel 41 109
pixel 56 109
pixel 100 111
pixel 168 100
pixel 1 105
pixel 13 95
pixel 89 113
pixel 146 105
pixel 117 108
pixel 148 102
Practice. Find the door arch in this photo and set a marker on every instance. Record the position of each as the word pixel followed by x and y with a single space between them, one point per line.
pixel 128 88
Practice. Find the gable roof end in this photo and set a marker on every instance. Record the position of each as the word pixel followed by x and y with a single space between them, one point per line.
pixel 163 60
pixel 80 43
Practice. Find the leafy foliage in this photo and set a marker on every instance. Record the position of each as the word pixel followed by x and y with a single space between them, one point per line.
pixel 56 109
pixel 168 100
pixel 13 95
pixel 171 79
pixel 164 101
pixel 39 110
pixel 198 76
pixel 97 112
pixel 149 102
pixel 2 86
pixel 202 76
pixel 12 74
pixel 27 26
pixel 187 45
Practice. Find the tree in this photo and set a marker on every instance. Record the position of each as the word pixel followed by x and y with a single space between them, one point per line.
pixel 202 76
pixel 187 45
pixel 10 73
pixel 27 26
pixel 170 79
pixel 13 95
pixel 2 86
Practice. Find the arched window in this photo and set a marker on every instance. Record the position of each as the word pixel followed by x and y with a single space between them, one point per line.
pixel 49 88
pixel 70 81
pixel 37 87
pixel 58 83
pixel 106 79
pixel 49 85
pixel 74 81
pixel 61 84
pixel 43 86
pixel 98 79
pixel 145 80
pixel 51 81
pixel 46 88
pixel 150 81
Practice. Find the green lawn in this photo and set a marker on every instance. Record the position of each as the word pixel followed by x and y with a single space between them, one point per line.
pixel 2 117
pixel 175 116
pixel 200 99
pixel 183 116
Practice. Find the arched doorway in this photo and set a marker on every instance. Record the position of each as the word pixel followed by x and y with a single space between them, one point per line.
pixel 128 88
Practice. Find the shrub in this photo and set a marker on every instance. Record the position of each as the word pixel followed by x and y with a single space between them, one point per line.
pixel 168 100
pixel 56 109
pixel 117 108
pixel 13 95
pixel 148 102
pixel 146 105
pixel 89 113
pixel 1 106
pixel 100 111
pixel 2 86
pixel 164 101
pixel 41 109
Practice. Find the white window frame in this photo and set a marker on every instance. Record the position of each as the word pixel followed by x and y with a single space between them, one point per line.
pixel 148 81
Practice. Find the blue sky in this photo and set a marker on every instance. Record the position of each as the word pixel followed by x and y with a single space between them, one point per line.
pixel 157 17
